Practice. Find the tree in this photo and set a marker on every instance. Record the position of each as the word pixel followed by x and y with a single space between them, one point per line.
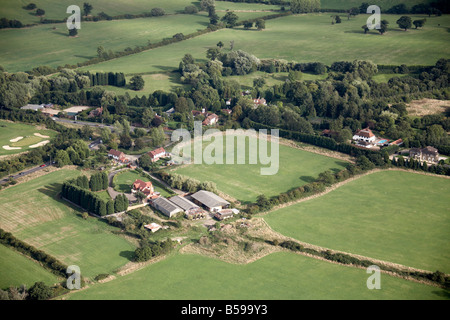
pixel 157 12
pixel 259 82
pixel 40 12
pixel 30 6
pixel 157 135
pixel 230 18
pixel 73 32
pixel 62 158
pixel 338 19
pixel 419 23
pixel 404 22
pixel 125 141
pixel 40 291
pixel 87 8
pixel 383 27
pixel 220 44
pixel 260 24
pixel 190 10
pixel 206 4
pixel 248 25
pixel 147 116
pixel 137 83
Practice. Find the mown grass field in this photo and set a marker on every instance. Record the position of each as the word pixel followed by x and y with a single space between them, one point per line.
pixel 16 269
pixel 394 216
pixel 281 275
pixel 32 212
pixel 53 47
pixel 56 10
pixel 245 182
pixel 304 38
pixel 125 180
pixel 10 130
pixel 383 4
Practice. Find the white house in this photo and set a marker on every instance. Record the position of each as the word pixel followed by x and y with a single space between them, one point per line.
pixel 364 135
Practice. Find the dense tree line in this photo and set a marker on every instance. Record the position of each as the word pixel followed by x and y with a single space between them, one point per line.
pixel 75 191
pixel 40 256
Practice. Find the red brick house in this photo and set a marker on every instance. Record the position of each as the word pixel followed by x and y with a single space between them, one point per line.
pixel 117 155
pixel 157 154
pixel 144 187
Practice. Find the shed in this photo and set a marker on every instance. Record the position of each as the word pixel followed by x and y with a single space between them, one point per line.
pixel 210 200
pixel 166 207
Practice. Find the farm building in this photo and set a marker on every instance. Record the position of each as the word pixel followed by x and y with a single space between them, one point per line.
pixel 190 209
pixel 210 201
pixel 224 214
pixel 166 207
pixel 153 227
pixel 34 107
pixel 211 119
pixel 157 154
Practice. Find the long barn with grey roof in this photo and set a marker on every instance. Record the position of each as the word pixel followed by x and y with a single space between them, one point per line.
pixel 166 207
pixel 184 203
pixel 210 200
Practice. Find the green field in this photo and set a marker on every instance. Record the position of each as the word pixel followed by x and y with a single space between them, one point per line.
pixel 303 38
pixel 383 4
pixel 393 216
pixel 245 182
pixel 10 130
pixel 16 269
pixel 277 276
pixel 125 180
pixel 53 47
pixel 32 212
pixel 12 9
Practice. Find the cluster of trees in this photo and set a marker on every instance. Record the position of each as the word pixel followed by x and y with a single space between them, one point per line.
pixel 97 182
pixel 433 8
pixel 153 249
pixel 75 154
pixel 187 184
pixel 305 6
pixel 6 23
pixel 116 79
pixel 422 166
pixel 74 190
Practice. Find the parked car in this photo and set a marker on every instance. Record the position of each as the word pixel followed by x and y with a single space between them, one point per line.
pixel 42 165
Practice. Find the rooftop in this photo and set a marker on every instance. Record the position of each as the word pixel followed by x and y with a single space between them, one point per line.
pixel 209 199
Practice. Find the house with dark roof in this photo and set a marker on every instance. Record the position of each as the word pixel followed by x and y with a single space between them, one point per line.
pixel 428 154
pixel 210 201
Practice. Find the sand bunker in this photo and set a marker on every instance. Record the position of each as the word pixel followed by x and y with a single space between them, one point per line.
pixel 11 148
pixel 16 139
pixel 41 136
pixel 40 144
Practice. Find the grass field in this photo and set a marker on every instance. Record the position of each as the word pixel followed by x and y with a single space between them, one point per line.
pixel 124 181
pixel 304 38
pixel 54 47
pixel 245 182
pixel 277 276
pixel 12 9
pixel 394 216
pixel 33 214
pixel 383 4
pixel 16 269
pixel 10 131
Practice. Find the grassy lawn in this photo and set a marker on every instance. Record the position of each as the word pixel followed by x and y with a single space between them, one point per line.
pixel 124 181
pixel 304 38
pixel 32 212
pixel 10 131
pixel 383 4
pixel 16 269
pixel 277 276
pixel 54 48
pixel 394 216
pixel 245 182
